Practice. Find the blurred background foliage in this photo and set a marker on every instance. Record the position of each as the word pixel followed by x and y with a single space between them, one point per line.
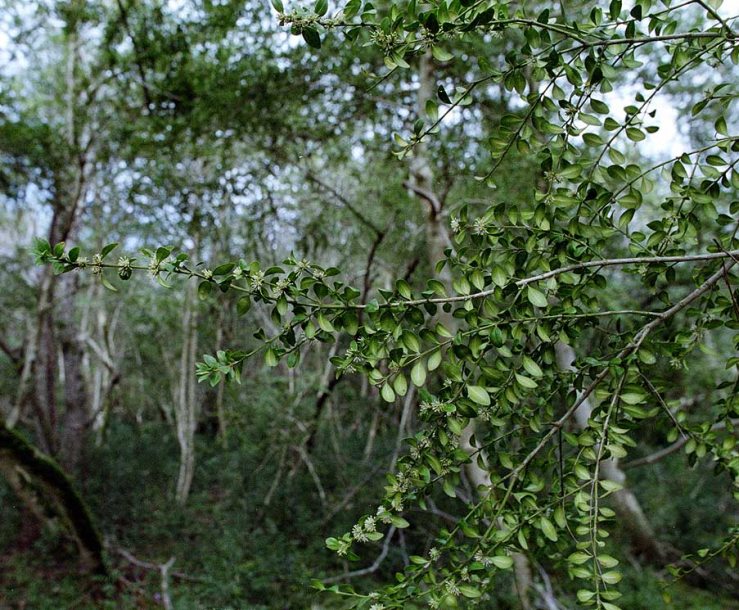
pixel 205 125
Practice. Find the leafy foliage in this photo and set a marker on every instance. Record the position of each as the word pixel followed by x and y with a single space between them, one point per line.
pixel 528 277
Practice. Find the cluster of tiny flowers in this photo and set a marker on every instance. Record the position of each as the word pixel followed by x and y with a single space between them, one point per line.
pixel 479 226
pixel 81 262
pixel 257 279
pixel 401 483
pixel 281 286
pixel 343 548
pixel 386 41
pixel 434 405
pixel 424 442
pixel 434 553
pixel 360 531
pixel 207 274
pixel 359 534
pixel 237 273
pixel 154 267
pixel 456 225
pixel 377 607
pixel 451 588
pixel 483 559
pixel 303 264
pixel 97 261
pixel 384 515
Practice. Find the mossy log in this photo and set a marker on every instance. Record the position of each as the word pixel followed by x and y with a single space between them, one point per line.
pixel 50 495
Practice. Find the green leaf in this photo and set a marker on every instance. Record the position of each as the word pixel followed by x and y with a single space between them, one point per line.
pixel 547 528
pixel 324 323
pixel 526 382
pixel 478 394
pixel 418 373
pixel 387 393
pixel 532 368
pixel 634 134
pixel 107 284
pixel 400 385
pixel 610 486
pixel 312 37
pixel 270 357
pixel 607 561
pixel 500 278
pixel 320 8
pixel 399 522
pixel 204 289
pixel 504 562
pixel 611 578
pixel 277 4
pixel 578 558
pixel 110 247
pixel 243 305
pixel 434 360
pixel 632 398
pixel 536 297
pixel 469 591
pixel 440 54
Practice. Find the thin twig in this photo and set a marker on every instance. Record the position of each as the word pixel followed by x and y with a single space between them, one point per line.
pixel 670 449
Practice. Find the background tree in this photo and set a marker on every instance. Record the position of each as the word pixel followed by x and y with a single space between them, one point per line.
pixel 219 147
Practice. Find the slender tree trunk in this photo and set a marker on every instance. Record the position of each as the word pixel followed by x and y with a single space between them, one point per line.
pixel 437 241
pixel 185 409
pixel 220 408
pixel 61 404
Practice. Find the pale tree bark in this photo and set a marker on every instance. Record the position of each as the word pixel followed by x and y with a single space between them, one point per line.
pixel 185 407
pixel 97 335
pixel 630 513
pixel 51 378
pixel 220 391
pixel 437 241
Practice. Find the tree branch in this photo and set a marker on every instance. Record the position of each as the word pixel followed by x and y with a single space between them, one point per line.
pixel 369 570
pixel 652 458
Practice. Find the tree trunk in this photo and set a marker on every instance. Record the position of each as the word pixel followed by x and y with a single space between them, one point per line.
pixel 185 409
pixel 437 241
pixel 50 495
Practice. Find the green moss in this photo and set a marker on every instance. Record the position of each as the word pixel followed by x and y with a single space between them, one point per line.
pixel 56 492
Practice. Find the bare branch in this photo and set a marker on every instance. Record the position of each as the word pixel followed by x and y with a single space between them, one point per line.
pixel 375 565
pixel 652 458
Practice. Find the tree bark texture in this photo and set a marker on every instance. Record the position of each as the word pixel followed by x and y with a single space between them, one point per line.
pixel 49 495
pixel 185 409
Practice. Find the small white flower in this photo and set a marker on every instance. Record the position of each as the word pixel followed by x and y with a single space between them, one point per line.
pixel 358 534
